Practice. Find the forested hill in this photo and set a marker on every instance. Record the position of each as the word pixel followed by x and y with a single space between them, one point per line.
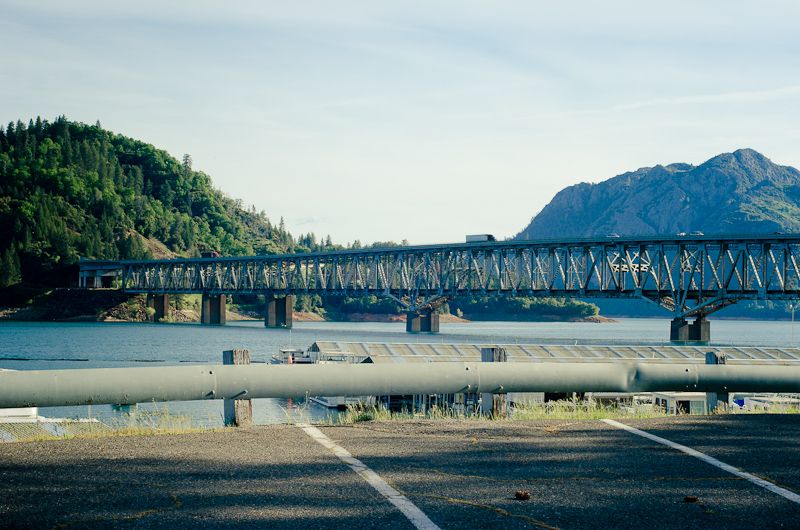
pixel 739 192
pixel 70 190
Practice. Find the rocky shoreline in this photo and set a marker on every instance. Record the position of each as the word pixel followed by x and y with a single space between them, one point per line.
pixel 81 305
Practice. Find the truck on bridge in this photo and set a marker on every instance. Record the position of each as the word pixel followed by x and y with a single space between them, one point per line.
pixel 480 238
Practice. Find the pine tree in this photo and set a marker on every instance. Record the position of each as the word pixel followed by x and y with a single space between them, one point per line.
pixel 70 189
pixel 9 267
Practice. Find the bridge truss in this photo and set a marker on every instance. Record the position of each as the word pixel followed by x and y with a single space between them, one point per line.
pixel 686 276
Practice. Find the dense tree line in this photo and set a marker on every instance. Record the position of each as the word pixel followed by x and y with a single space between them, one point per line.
pixel 496 307
pixel 474 307
pixel 70 190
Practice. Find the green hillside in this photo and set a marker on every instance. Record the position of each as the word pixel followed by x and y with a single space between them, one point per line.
pixel 70 190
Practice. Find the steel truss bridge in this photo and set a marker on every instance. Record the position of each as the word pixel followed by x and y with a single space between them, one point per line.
pixel 688 276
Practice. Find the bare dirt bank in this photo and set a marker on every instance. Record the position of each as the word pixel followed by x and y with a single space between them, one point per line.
pixel 108 305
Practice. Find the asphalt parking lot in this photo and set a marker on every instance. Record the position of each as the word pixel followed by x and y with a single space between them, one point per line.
pixel 579 474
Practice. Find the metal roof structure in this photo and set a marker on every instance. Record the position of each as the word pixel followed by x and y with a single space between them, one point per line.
pixel 438 352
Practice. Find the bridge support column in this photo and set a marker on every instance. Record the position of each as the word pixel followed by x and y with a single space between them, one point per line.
pixel 697 331
pixel 700 330
pixel 423 321
pixel 160 304
pixel 679 330
pixel 279 311
pixel 212 309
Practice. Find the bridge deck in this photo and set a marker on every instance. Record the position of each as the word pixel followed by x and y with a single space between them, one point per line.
pixel 686 275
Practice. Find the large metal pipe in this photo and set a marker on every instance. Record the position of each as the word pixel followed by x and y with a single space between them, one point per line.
pixel 46 388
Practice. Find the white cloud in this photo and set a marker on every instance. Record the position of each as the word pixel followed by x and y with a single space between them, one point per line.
pixel 750 96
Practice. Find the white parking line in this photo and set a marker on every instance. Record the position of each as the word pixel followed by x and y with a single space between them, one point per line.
pixel 409 509
pixel 790 495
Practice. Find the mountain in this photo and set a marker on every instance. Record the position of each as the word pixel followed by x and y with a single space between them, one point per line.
pixel 70 190
pixel 739 192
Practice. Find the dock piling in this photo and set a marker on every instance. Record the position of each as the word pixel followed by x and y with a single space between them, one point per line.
pixel 237 412
pixel 494 404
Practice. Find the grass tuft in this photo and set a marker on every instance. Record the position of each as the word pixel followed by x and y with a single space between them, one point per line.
pixel 362 413
pixel 553 410
pixel 584 410
pixel 139 422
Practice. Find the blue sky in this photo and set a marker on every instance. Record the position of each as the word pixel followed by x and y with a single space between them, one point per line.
pixel 416 120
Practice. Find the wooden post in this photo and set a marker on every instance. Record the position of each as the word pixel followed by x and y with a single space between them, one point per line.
pixel 494 404
pixel 716 401
pixel 237 412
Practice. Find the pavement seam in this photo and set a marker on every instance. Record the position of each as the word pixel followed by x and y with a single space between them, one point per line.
pixel 416 516
pixel 769 486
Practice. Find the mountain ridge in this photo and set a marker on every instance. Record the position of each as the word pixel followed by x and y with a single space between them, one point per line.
pixel 742 192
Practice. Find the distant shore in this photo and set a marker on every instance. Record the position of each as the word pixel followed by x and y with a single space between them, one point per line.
pixel 106 305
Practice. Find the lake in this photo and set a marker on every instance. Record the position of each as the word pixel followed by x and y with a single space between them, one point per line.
pixel 47 345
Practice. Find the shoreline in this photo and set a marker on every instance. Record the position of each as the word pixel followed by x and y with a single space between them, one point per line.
pixel 108 305
pixel 33 314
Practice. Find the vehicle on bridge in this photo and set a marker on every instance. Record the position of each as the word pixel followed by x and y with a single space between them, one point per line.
pixel 480 238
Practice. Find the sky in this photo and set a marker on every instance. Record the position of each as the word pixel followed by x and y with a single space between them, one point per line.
pixel 417 120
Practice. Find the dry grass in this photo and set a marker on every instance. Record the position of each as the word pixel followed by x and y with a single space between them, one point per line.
pixel 362 413
pixel 109 433
pixel 141 422
pixel 585 410
pixel 554 410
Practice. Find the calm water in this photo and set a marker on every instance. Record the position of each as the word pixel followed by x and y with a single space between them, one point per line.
pixel 88 345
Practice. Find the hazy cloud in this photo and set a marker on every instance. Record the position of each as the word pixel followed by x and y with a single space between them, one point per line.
pixel 420 120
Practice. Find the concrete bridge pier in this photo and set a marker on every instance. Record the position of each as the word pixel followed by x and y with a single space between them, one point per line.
pixel 160 303
pixel 278 312
pixel 422 321
pixel 212 309
pixel 697 331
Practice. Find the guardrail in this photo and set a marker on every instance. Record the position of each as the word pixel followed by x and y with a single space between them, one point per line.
pixel 46 388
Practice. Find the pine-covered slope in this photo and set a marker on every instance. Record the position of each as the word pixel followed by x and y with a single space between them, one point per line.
pixel 740 192
pixel 70 190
